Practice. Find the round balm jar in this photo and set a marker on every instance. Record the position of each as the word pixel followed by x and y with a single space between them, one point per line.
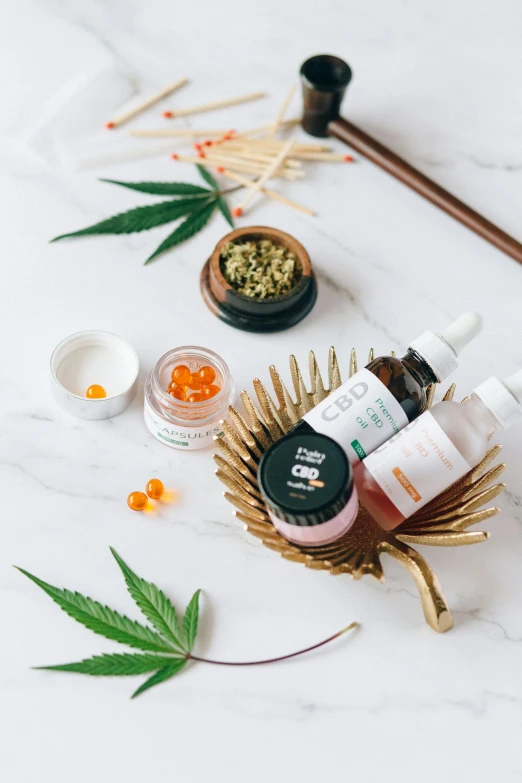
pixel 307 484
pixel 178 423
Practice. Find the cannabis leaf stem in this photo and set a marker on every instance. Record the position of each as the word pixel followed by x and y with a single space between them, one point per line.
pixel 280 657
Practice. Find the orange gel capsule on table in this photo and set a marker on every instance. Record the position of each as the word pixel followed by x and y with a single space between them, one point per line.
pixel 181 374
pixel 207 375
pixel 137 501
pixel 210 391
pixel 155 489
pixel 195 397
pixel 95 392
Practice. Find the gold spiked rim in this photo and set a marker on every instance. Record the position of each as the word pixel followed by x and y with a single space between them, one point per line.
pixel 443 522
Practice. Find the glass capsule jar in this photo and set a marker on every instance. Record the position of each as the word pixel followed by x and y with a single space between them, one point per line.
pixel 180 424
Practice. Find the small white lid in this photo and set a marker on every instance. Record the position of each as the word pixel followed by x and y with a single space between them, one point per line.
pixel 94 357
pixel 503 398
pixel 441 350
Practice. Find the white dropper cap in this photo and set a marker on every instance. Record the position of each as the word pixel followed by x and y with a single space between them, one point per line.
pixel 441 350
pixel 503 398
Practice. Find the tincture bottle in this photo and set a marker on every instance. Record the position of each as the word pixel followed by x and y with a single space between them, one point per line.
pixel 435 451
pixel 378 401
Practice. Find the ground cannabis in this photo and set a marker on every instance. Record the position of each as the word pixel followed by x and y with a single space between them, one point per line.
pixel 260 270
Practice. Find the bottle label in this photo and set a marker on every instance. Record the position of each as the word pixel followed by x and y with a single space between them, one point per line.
pixel 416 465
pixel 360 415
pixel 188 438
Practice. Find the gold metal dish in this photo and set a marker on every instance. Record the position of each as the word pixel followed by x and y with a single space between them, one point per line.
pixel 443 522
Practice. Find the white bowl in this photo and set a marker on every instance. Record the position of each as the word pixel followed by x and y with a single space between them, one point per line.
pixel 94 357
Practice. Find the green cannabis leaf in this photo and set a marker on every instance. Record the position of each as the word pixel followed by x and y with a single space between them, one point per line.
pixel 154 604
pixel 193 203
pixel 102 620
pixel 190 621
pixel 192 225
pixel 167 649
pixel 207 177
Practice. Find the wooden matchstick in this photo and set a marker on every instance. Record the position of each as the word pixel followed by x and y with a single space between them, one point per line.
pixel 245 167
pixel 178 132
pixel 245 154
pixel 331 157
pixel 215 105
pixel 266 128
pixel 145 105
pixel 273 144
pixel 269 172
pixel 273 194
pixel 282 111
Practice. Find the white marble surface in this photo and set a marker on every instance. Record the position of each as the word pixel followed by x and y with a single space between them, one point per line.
pixel 438 81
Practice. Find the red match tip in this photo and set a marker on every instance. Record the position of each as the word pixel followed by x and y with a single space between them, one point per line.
pixel 201 154
pixel 207 143
pixel 109 125
pixel 348 159
pixel 167 115
pixel 237 212
pixel 220 169
pixel 197 145
pixel 174 156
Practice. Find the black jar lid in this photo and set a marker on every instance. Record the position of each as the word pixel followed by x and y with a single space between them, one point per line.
pixel 305 479
pixel 258 315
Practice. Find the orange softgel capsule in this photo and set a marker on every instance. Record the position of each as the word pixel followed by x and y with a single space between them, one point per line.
pixel 181 374
pixel 195 397
pixel 95 392
pixel 210 391
pixel 137 501
pixel 155 489
pixel 207 375
pixel 194 382
pixel 178 392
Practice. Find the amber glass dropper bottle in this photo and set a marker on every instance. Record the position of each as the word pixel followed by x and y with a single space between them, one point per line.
pixel 378 401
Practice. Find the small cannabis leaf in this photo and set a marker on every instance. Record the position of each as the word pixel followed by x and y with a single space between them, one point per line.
pixel 194 203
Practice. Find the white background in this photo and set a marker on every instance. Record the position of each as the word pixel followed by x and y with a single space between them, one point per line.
pixel 440 83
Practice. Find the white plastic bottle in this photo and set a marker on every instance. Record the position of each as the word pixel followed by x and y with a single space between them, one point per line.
pixel 378 401
pixel 435 450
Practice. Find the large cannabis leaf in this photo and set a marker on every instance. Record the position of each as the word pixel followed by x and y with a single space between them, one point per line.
pixel 192 202
pixel 168 647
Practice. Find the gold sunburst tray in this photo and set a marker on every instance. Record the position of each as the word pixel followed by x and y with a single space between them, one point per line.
pixel 443 522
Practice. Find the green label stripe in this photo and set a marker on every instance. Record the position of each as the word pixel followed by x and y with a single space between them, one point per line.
pixel 170 440
pixel 356 446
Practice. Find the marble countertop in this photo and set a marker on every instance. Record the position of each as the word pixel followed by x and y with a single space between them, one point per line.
pixel 437 81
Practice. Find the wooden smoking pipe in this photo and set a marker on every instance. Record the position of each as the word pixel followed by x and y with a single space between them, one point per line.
pixel 324 79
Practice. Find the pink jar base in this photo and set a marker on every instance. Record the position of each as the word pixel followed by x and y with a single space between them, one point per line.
pixel 319 535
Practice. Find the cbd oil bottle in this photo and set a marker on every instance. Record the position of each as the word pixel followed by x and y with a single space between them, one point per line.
pixel 378 401
pixel 435 451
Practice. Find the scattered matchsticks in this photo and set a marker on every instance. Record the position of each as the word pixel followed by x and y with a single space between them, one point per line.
pixel 253 96
pixel 282 112
pixel 269 172
pixel 128 115
pixel 273 194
